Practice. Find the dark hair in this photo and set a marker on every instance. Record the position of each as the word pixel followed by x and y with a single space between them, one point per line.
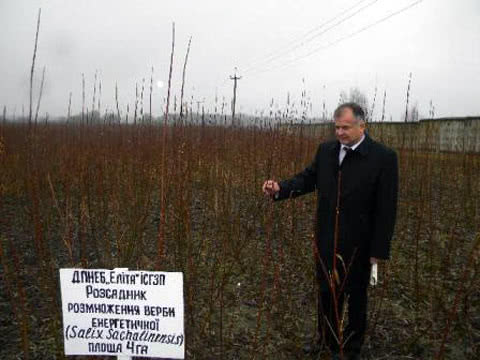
pixel 356 109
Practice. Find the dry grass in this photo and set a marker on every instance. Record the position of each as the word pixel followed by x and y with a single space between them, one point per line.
pixel 89 196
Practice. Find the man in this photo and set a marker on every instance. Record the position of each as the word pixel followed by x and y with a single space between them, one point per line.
pixel 356 180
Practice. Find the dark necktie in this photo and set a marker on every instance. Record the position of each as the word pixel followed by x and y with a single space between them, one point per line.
pixel 346 150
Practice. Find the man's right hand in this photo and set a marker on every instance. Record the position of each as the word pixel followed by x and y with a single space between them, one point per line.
pixel 270 188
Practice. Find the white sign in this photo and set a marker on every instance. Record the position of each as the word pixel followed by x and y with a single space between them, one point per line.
pixel 123 313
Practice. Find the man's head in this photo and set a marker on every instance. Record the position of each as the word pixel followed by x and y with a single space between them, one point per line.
pixel 349 123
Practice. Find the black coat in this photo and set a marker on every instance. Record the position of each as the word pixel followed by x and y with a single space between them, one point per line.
pixel 367 207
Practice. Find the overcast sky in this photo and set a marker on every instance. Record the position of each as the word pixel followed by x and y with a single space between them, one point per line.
pixel 274 43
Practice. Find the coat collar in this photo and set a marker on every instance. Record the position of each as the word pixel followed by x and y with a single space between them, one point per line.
pixel 362 149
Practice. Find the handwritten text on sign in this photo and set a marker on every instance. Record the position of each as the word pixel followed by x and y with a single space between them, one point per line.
pixel 115 312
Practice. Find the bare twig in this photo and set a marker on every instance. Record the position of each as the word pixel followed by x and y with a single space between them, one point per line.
pixel 183 76
pixel 32 70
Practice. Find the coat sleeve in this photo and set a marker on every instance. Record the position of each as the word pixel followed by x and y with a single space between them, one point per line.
pixel 302 183
pixel 385 208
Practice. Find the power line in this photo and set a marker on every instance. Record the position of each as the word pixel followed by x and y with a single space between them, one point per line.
pixel 288 48
pixel 310 35
pixel 299 38
pixel 346 37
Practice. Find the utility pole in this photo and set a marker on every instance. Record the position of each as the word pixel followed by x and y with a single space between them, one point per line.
pixel 235 78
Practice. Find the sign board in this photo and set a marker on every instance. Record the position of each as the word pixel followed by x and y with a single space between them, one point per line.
pixel 123 313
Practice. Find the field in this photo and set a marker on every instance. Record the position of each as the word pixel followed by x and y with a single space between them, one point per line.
pixel 188 198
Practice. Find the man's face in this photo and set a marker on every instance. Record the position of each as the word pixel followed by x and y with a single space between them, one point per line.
pixel 347 129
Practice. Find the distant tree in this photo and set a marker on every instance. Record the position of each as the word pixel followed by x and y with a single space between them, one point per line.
pixel 431 111
pixel 355 95
pixel 413 114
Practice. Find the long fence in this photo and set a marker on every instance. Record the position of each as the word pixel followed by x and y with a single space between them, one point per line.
pixel 445 134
